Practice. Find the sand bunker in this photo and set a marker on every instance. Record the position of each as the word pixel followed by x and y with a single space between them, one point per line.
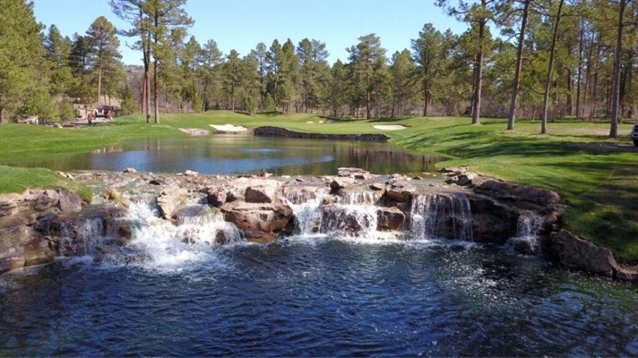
pixel 195 131
pixel 229 128
pixel 390 127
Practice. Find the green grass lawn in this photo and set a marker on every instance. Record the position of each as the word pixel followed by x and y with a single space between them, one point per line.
pixel 597 176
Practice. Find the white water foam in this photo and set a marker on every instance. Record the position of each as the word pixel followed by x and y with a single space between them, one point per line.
pixel 526 239
pixel 155 243
pixel 307 213
pixel 430 214
pixel 174 246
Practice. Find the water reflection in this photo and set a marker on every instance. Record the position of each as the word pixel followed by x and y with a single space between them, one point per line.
pixel 233 154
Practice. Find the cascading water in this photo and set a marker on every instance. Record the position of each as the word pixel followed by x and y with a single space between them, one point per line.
pixel 353 215
pixel 154 242
pixel 89 237
pixel 441 216
pixel 306 208
pixel 191 240
pixel 526 239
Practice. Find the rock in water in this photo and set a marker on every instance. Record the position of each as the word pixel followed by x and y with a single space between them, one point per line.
pixel 171 200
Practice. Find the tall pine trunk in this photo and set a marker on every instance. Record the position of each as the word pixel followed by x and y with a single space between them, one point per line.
pixel 519 66
pixel 155 92
pixel 580 70
pixel 550 68
pixel 425 99
pixel 155 69
pixel 615 100
pixel 146 86
pixel 99 83
pixel 478 79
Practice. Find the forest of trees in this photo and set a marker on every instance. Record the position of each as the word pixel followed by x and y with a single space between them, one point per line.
pixel 543 59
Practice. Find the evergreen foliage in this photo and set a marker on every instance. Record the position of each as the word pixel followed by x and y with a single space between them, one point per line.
pixel 23 69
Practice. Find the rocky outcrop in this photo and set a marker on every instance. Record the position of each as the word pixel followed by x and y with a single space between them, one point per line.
pixel 390 219
pixel 171 200
pixel 38 225
pixel 24 236
pixel 282 132
pixel 575 252
pixel 258 221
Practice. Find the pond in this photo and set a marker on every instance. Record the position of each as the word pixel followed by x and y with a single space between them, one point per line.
pixel 318 297
pixel 229 154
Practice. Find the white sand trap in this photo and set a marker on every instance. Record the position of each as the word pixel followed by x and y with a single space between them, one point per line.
pixel 390 127
pixel 195 131
pixel 229 128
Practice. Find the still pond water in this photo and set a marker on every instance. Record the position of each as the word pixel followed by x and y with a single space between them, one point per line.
pixel 243 154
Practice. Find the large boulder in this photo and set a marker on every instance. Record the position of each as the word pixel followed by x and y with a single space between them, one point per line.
pixel 12 242
pixel 23 209
pixel 217 196
pixel 254 190
pixel 69 202
pixel 340 183
pixel 171 200
pixel 575 252
pixel 38 251
pixel 346 219
pixel 399 192
pixel 257 219
pixel 492 222
pixel 389 219
pixel 519 194
pixel 262 191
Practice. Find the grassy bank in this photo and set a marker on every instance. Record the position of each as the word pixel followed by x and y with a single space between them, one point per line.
pixel 597 176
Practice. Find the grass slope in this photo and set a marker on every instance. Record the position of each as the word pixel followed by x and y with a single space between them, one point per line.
pixel 597 176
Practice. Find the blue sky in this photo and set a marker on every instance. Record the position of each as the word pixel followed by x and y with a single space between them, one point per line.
pixel 242 24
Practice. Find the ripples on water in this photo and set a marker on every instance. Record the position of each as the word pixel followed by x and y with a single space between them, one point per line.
pixel 319 297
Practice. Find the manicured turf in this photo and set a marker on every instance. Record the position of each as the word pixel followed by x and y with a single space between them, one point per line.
pixel 597 176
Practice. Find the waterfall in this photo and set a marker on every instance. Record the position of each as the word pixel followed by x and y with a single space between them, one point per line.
pixel 441 216
pixel 153 241
pixel 306 206
pixel 190 240
pixel 85 240
pixel 307 215
pixel 423 219
pixel 526 239
pixel 352 214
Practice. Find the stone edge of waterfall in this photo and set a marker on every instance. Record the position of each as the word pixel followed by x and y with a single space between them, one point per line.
pixel 39 224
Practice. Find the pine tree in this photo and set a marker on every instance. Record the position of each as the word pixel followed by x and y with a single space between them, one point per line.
pixel 80 60
pixel 260 54
pixel 477 14
pixel 273 66
pixel 430 54
pixel 210 60
pixel 337 88
pixel 402 71
pixel 511 119
pixel 165 16
pixel 368 63
pixel 133 12
pixel 58 51
pixel 22 61
pixel 103 49
pixel 312 56
pixel 289 69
